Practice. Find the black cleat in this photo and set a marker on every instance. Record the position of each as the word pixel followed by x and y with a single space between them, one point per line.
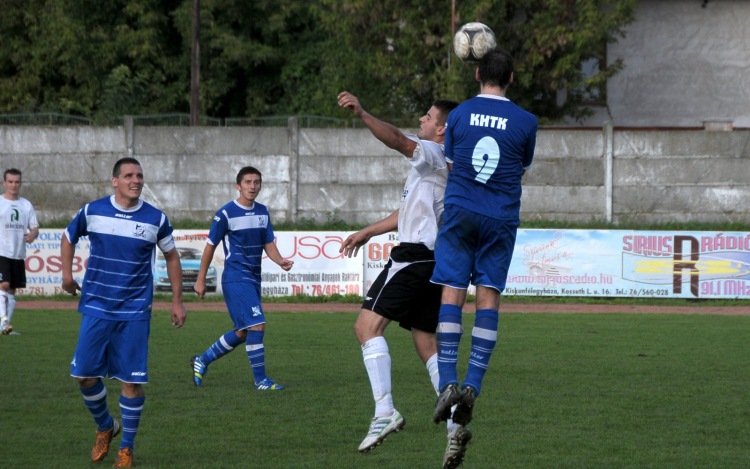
pixel 462 414
pixel 445 401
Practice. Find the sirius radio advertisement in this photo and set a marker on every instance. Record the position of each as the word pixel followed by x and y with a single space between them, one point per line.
pixel 592 263
pixel 619 263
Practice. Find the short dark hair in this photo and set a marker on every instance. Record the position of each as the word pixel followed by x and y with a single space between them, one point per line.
pixel 248 170
pixel 495 68
pixel 12 171
pixel 122 161
pixel 445 106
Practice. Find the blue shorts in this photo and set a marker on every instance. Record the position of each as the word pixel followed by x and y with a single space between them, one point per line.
pixel 243 303
pixel 473 248
pixel 115 348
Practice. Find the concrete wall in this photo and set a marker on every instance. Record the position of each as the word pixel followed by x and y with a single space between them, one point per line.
pixel 322 174
pixel 684 64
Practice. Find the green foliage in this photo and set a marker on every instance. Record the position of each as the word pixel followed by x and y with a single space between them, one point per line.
pixel 104 59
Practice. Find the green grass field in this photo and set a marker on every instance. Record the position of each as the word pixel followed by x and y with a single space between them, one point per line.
pixel 563 391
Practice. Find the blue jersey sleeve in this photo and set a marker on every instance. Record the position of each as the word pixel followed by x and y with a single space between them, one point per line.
pixel 530 146
pixel 448 143
pixel 269 233
pixel 164 235
pixel 78 227
pixel 219 228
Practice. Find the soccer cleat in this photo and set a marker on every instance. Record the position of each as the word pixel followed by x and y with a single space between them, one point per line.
pixel 462 414
pixel 199 370
pixel 445 401
pixel 124 458
pixel 458 440
pixel 268 385
pixel 7 330
pixel 103 439
pixel 380 428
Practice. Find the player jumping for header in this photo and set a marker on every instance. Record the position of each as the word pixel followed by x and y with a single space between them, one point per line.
pixel 402 292
pixel 490 142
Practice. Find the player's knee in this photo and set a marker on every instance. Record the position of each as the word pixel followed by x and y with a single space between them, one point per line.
pixel 86 383
pixel 132 390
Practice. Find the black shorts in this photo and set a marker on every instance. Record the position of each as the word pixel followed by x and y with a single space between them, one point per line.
pixel 13 271
pixel 403 291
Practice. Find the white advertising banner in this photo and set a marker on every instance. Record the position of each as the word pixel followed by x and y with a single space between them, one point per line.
pixel 319 268
pixel 595 263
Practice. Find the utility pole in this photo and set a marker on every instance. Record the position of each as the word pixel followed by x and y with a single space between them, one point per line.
pixel 195 66
pixel 453 18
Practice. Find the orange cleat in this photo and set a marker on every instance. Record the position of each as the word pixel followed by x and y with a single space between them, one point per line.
pixel 103 439
pixel 124 458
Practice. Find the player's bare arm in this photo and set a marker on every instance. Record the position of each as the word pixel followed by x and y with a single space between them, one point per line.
pixel 386 133
pixel 350 246
pixel 174 272
pixel 31 235
pixel 67 251
pixel 275 255
pixel 200 284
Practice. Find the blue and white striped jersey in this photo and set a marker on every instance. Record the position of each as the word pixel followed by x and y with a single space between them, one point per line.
pixel 119 284
pixel 244 231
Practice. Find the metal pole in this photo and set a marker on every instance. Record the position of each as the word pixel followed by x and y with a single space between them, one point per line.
pixel 195 66
pixel 609 145
pixel 453 18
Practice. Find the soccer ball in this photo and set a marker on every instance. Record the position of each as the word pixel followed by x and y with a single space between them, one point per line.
pixel 472 41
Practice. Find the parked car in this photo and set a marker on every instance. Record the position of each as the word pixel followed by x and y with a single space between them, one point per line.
pixel 190 258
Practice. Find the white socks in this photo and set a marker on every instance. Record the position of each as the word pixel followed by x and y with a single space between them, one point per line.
pixel 11 306
pixel 432 369
pixel 4 320
pixel 378 364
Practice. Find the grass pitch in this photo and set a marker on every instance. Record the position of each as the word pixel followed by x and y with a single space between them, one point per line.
pixel 563 391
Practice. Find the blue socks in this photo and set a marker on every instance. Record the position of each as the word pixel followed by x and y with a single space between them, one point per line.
pixel 448 337
pixel 223 346
pixel 95 399
pixel 256 354
pixel 483 340
pixel 131 409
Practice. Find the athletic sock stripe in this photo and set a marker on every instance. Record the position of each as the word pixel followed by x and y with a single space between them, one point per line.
pixel 96 397
pixel 450 328
pixel 250 348
pixel 225 344
pixel 132 409
pixel 483 349
pixel 486 334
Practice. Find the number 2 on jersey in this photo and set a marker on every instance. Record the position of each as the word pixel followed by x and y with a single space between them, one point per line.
pixel 485 158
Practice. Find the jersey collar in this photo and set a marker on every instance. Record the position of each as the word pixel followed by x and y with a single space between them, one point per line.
pixel 243 207
pixel 123 209
pixel 493 96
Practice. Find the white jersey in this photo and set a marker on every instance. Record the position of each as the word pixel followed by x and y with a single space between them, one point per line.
pixel 421 211
pixel 17 217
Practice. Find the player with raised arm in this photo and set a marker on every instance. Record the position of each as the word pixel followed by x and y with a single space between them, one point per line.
pixel 244 226
pixel 403 292
pixel 490 142
pixel 116 299
pixel 19 228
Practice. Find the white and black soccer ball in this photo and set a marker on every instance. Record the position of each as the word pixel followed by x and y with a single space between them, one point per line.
pixel 472 41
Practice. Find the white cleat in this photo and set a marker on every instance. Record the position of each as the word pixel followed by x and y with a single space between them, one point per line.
pixel 380 428
pixel 458 440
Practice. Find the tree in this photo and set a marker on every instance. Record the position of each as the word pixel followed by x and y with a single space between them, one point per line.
pixel 104 59
pixel 402 49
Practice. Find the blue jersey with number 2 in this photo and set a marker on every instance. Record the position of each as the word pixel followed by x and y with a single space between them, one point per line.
pixel 490 142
